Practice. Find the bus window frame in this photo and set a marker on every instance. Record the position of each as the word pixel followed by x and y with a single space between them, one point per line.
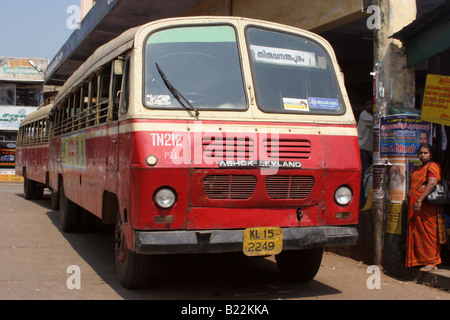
pixel 125 89
pixel 329 61
pixel 240 60
pixel 115 91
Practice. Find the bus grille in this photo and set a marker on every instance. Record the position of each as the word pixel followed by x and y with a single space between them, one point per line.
pixel 289 187
pixel 229 187
pixel 288 149
pixel 228 148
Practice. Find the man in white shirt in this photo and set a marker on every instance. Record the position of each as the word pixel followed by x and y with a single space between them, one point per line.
pixel 365 136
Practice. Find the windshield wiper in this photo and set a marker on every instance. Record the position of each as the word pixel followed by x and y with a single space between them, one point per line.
pixel 176 93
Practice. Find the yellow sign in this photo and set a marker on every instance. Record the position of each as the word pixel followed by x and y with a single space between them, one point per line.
pixel 73 152
pixel 394 218
pixel 263 241
pixel 436 101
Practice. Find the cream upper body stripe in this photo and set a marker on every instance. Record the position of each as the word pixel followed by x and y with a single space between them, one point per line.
pixel 33 146
pixel 236 128
pixel 197 127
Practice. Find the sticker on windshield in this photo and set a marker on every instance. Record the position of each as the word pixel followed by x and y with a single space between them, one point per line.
pixel 283 56
pixel 157 100
pixel 295 104
pixel 324 104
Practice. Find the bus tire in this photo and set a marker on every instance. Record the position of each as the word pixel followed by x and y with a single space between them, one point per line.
pixel 38 191
pixel 87 221
pixel 28 188
pixel 133 269
pixel 55 200
pixel 69 213
pixel 299 265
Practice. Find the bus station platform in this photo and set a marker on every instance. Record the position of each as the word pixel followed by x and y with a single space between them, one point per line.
pixel 439 278
pixel 393 264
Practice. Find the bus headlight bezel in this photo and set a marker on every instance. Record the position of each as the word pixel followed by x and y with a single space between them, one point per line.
pixel 165 198
pixel 343 195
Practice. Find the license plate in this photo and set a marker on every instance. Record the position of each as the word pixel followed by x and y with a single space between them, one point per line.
pixel 263 241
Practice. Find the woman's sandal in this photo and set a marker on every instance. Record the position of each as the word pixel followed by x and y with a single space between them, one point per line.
pixel 428 268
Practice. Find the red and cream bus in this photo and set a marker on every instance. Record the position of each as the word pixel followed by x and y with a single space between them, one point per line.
pixel 32 152
pixel 209 135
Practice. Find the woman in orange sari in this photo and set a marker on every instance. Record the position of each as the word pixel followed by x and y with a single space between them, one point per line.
pixel 422 246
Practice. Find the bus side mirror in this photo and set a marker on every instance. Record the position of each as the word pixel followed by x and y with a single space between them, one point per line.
pixel 118 67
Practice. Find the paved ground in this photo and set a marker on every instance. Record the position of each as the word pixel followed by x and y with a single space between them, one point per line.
pixel 35 256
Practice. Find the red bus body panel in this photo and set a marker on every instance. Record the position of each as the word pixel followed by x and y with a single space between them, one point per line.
pixel 35 160
pixel 334 161
pixel 113 160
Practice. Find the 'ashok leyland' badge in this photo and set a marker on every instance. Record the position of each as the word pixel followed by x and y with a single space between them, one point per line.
pixel 260 164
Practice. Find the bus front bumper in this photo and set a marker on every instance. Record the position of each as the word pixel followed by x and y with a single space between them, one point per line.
pixel 220 241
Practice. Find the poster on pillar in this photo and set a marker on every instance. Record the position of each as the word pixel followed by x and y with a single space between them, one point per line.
pixel 400 138
pixel 394 218
pixel 436 101
pixel 402 134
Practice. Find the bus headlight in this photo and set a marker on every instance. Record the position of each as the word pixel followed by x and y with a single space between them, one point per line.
pixel 165 198
pixel 343 195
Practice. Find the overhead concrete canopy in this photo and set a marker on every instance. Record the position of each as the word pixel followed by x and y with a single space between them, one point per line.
pixel 427 36
pixel 109 18
pixel 105 21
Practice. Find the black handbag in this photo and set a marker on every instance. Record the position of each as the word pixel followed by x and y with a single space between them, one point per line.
pixel 439 195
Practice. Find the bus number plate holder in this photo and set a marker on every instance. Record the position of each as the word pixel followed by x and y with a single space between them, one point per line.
pixel 263 241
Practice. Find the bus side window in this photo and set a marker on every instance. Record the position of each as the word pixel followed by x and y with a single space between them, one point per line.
pixel 104 90
pixel 84 104
pixel 25 135
pixel 116 83
pixel 125 96
pixel 65 116
pixel 45 124
pixel 76 109
pixel 95 96
pixel 39 131
pixel 58 122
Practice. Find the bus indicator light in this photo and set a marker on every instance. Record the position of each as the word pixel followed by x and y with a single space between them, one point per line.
pixel 151 161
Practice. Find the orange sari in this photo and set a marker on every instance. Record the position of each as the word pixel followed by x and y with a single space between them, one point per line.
pixel 422 243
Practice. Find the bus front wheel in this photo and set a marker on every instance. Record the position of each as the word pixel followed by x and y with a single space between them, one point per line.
pixel 299 265
pixel 132 269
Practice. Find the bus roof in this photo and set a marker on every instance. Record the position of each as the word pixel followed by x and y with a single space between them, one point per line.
pixel 40 113
pixel 125 42
pixel 101 56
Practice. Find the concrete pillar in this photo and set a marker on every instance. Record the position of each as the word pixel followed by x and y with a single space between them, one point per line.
pixel 86 6
pixel 398 81
pixel 395 87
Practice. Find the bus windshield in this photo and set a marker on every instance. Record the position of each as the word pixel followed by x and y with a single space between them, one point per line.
pixel 292 74
pixel 202 63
